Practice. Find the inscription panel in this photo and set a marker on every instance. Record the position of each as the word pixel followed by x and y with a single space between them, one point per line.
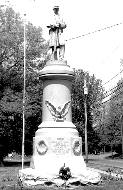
pixel 60 146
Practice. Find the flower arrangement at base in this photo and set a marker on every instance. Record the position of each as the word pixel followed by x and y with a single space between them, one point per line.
pixel 64 172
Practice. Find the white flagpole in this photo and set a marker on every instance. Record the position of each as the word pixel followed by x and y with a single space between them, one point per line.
pixel 24 91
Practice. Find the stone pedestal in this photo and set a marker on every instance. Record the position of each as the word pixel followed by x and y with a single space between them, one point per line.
pixel 55 147
pixel 57 142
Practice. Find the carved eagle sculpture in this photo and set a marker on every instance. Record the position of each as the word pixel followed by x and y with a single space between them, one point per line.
pixel 60 113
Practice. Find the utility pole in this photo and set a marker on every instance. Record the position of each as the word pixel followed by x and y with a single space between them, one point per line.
pixel 24 91
pixel 85 105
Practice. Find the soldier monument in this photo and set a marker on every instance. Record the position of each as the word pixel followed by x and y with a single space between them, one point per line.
pixel 57 143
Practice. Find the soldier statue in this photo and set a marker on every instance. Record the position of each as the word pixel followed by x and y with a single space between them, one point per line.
pixel 56 42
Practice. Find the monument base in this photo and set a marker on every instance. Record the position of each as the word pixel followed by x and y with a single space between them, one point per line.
pixel 55 146
pixel 31 178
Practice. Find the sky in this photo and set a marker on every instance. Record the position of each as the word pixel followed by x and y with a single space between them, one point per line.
pixel 99 53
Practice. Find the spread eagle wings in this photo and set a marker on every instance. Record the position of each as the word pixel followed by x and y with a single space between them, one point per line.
pixel 56 113
pixel 51 108
pixel 65 109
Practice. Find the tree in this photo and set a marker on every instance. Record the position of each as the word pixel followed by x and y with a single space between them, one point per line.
pixel 113 120
pixel 95 92
pixel 11 78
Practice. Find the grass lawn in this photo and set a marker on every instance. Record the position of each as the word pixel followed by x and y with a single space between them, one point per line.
pixel 8 181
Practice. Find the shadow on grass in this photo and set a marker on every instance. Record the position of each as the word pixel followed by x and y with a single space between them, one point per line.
pixel 14 164
pixel 115 156
pixel 104 186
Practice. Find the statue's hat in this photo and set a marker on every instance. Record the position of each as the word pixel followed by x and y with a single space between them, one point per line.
pixel 55 7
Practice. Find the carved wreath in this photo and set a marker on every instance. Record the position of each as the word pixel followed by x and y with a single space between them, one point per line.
pixel 58 113
pixel 76 148
pixel 42 147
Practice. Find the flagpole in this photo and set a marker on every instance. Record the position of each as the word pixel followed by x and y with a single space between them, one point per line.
pixel 24 91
